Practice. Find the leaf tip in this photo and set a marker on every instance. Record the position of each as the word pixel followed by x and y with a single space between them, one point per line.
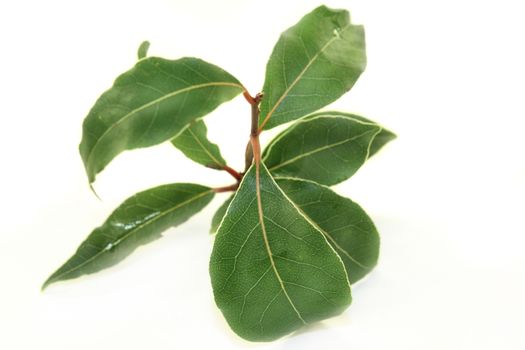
pixel 53 278
pixel 93 190
pixel 46 284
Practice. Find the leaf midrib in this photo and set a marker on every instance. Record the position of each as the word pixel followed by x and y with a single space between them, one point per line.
pixel 162 214
pixel 265 238
pixel 319 228
pixel 317 150
pixel 296 80
pixel 151 103
pixel 204 148
pixel 334 242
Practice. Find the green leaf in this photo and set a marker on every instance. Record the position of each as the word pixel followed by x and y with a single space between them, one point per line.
pixel 139 220
pixel 327 149
pixel 272 270
pixel 381 139
pixel 150 104
pixel 142 52
pixel 313 64
pixel 219 214
pixel 194 143
pixel 344 223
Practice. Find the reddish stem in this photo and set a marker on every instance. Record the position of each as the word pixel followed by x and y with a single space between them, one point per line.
pixel 254 134
pixel 232 172
pixel 248 97
pixel 253 150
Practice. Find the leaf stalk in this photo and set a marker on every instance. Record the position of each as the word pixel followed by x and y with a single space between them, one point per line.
pixel 229 188
pixel 232 172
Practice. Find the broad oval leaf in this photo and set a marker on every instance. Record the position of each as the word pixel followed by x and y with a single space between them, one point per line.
pixel 150 104
pixel 344 223
pixel 313 64
pixel 194 143
pixel 139 220
pixel 327 149
pixel 271 269
pixel 219 214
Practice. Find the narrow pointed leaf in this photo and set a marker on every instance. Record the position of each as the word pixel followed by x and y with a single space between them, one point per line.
pixel 344 223
pixel 381 139
pixel 219 214
pixel 327 149
pixel 150 104
pixel 272 270
pixel 194 143
pixel 142 52
pixel 139 220
pixel 313 64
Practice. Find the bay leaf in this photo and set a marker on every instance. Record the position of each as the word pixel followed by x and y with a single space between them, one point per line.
pixel 344 223
pixel 327 149
pixel 272 270
pixel 193 142
pixel 138 221
pixel 381 139
pixel 149 104
pixel 313 64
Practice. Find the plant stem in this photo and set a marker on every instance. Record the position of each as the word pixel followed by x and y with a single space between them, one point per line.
pixel 232 172
pixel 253 148
pixel 226 188
pixel 255 114
pixel 248 97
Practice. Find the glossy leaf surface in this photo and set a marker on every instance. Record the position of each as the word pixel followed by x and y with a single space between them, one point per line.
pixel 327 149
pixel 194 143
pixel 381 139
pixel 272 270
pixel 344 223
pixel 139 220
pixel 150 104
pixel 219 214
pixel 313 64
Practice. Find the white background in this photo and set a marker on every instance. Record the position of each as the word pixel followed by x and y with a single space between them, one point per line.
pixel 447 195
